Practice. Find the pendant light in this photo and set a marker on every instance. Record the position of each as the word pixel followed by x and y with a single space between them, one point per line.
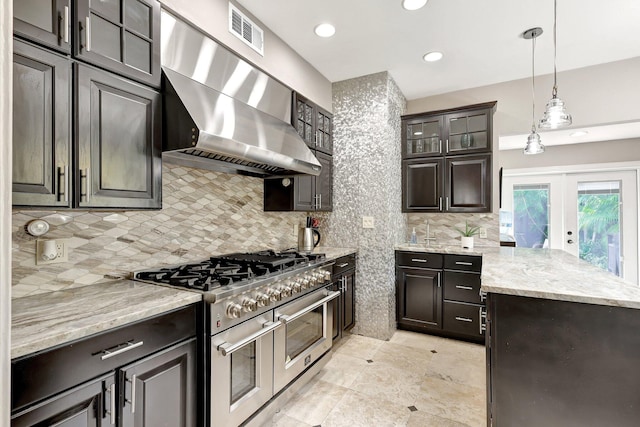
pixel 534 145
pixel 555 115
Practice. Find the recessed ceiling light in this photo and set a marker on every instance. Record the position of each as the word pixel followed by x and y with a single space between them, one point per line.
pixel 432 56
pixel 325 30
pixel 578 133
pixel 413 4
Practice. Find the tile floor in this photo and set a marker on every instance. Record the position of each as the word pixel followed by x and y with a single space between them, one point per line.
pixel 412 380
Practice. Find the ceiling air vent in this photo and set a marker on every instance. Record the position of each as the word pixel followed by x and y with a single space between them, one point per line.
pixel 246 30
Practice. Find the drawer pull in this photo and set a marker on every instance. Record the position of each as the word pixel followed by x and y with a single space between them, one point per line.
pixel 418 260
pixel 343 265
pixel 112 403
pixel 466 288
pixel 483 320
pixel 133 393
pixel 119 349
pixel 463 319
pixel 463 263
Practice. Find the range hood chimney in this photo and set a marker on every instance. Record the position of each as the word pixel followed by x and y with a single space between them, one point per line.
pixel 223 114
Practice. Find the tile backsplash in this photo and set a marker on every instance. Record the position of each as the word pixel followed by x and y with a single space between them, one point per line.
pixel 443 226
pixel 203 213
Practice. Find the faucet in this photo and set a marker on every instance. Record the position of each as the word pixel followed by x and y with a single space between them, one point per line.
pixel 428 238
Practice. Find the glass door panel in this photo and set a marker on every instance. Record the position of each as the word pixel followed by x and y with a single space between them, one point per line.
pixel 303 332
pixel 243 371
pixel 531 215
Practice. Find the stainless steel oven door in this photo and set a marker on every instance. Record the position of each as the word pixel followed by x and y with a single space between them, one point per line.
pixel 305 336
pixel 241 370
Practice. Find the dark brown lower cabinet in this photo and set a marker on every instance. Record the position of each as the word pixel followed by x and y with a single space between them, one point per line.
pixel 344 280
pixel 561 363
pixel 419 298
pixel 140 375
pixel 119 143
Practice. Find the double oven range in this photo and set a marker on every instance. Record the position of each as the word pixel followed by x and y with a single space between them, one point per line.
pixel 268 318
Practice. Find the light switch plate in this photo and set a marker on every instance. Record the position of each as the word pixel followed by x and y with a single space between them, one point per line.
pixel 482 233
pixel 367 222
pixel 61 251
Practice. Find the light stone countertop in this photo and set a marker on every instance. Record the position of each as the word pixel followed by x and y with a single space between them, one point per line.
pixel 545 273
pixel 45 320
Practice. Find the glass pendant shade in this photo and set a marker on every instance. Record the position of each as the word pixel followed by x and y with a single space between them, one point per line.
pixel 534 145
pixel 555 115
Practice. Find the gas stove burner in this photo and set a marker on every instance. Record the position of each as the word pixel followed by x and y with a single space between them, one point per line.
pixel 224 270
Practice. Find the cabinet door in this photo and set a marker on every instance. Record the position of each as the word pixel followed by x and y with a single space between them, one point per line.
pixel 349 300
pixel 119 142
pixel 85 406
pixel 469 131
pixel 122 36
pixel 45 22
pixel 41 127
pixel 304 192
pixel 422 137
pixel 468 183
pixel 419 298
pixel 422 185
pixel 324 131
pixel 161 389
pixel 324 183
pixel 304 120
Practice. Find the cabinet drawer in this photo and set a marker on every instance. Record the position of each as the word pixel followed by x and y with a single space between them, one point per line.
pixel 52 371
pixel 419 259
pixel 463 263
pixel 344 263
pixel 464 287
pixel 463 318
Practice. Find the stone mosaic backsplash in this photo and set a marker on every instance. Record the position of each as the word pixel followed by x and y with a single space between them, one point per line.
pixel 204 213
pixel 443 226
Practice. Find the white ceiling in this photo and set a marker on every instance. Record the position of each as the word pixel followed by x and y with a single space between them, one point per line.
pixel 481 39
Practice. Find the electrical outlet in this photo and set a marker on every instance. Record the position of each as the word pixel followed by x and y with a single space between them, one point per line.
pixel 367 222
pixel 61 252
pixel 482 233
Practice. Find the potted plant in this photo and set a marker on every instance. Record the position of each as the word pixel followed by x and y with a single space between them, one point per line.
pixel 467 234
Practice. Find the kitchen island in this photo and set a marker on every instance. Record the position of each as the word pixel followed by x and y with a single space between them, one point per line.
pixel 562 339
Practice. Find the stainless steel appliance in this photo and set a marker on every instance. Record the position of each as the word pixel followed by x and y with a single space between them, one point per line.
pixel 307 239
pixel 268 320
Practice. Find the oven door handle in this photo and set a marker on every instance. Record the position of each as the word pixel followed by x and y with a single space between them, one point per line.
pixel 289 318
pixel 227 348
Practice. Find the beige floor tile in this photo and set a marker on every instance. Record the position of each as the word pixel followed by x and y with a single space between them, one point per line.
pixel 423 419
pixel 283 420
pixel 359 346
pixel 411 359
pixel 313 402
pixel 464 367
pixel 342 369
pixel 383 381
pixel 357 409
pixel 447 399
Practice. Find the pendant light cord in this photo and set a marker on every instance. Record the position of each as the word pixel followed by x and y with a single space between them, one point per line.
pixel 554 93
pixel 533 83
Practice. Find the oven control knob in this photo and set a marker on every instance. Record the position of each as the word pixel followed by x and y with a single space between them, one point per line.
pixel 285 291
pixel 234 310
pixel 249 304
pixel 313 280
pixel 262 299
pixel 274 294
pixel 305 282
pixel 327 275
pixel 296 287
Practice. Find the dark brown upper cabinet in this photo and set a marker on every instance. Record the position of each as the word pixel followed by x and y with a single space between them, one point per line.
pixel 41 127
pixel 44 22
pixel 447 160
pixel 314 124
pixel 120 36
pixel 118 141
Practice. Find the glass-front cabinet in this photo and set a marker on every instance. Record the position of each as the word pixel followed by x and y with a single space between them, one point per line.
pixel 468 132
pixel 423 137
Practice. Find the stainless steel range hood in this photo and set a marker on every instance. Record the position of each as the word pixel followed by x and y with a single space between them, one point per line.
pixel 223 114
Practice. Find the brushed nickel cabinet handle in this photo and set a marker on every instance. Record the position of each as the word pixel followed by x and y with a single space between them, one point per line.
pixel 63 183
pixel 463 263
pixel 343 265
pixel 440 204
pixel 418 260
pixel 87 34
pixel 119 349
pixel 132 401
pixel 463 319
pixel 87 184
pixel 65 25
pixel 112 403
pixel 466 288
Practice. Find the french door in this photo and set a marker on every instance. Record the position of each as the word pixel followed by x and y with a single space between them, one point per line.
pixel 592 215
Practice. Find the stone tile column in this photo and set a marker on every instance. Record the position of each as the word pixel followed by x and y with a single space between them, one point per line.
pixel 367 182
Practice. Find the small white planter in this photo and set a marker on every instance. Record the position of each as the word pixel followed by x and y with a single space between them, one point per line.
pixel 467 242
